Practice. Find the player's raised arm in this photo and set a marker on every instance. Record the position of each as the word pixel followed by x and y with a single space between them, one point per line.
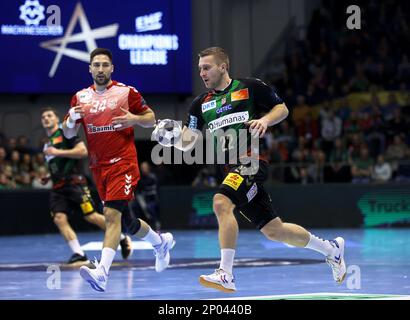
pixel 188 139
pixel 79 151
pixel 145 119
pixel 258 127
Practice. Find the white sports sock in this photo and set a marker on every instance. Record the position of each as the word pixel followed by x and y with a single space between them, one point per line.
pixel 107 256
pixel 152 237
pixel 75 247
pixel 320 245
pixel 227 256
pixel 122 236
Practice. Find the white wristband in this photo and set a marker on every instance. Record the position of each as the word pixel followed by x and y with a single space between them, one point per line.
pixel 69 123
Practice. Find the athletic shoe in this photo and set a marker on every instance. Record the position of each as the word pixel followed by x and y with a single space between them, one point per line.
pixel 126 247
pixel 161 251
pixel 220 280
pixel 77 258
pixel 97 277
pixel 336 261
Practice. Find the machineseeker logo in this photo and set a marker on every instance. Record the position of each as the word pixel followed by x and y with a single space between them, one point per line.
pixel 32 13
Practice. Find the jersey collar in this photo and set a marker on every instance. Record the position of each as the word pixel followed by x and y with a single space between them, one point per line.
pixel 224 90
pixel 113 83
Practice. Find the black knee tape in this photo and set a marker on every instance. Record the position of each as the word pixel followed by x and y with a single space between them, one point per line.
pixel 133 226
pixel 129 223
pixel 118 205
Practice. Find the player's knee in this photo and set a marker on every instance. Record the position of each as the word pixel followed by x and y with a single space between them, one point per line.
pixel 221 204
pixel 111 216
pixel 113 210
pixel 60 219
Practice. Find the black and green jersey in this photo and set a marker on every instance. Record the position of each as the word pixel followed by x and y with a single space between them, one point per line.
pixel 61 169
pixel 227 111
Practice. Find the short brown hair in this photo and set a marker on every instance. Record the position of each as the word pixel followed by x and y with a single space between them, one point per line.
pixel 49 108
pixel 98 51
pixel 218 52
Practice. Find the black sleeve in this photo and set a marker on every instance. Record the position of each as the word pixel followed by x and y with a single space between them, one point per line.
pixel 72 142
pixel 195 120
pixel 265 96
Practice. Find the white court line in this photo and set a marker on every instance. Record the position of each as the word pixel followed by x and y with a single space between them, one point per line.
pixel 97 245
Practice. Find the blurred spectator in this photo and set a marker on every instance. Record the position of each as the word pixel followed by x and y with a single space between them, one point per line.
pixel 301 109
pixel 338 169
pixel 146 203
pixel 15 164
pixel 355 145
pixel 359 83
pixel 308 127
pixel 397 151
pixel 351 125
pixel 26 164
pixel 331 130
pixel 40 174
pixel 403 172
pixel 11 145
pixel 382 171
pixel 5 182
pixel 38 161
pixel 389 108
pixel 204 179
pixel 316 170
pixel 397 126
pixel 362 167
pixel 3 156
pixel 343 112
pixel 403 70
pixel 24 181
pixel 22 145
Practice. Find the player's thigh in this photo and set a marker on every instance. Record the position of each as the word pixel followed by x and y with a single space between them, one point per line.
pixel 59 203
pixel 241 185
pixel 80 197
pixel 121 181
pixel 259 211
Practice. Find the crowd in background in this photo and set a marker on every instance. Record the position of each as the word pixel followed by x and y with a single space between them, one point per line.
pixel 327 137
pixel 21 165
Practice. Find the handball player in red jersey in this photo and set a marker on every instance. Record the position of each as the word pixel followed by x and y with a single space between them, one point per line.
pixel 108 110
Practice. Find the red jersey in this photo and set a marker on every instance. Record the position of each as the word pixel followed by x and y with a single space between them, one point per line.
pixel 105 144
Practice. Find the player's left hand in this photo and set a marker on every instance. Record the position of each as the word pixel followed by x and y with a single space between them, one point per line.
pixel 125 121
pixel 51 151
pixel 257 127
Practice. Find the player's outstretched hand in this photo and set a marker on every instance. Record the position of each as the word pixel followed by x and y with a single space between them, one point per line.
pixel 124 121
pixel 257 128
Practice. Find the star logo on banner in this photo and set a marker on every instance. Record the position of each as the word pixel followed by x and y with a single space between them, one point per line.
pixel 87 35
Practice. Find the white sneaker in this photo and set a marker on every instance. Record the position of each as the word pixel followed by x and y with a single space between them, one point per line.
pixel 97 277
pixel 161 251
pixel 220 280
pixel 336 261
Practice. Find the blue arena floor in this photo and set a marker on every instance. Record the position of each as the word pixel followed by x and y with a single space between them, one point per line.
pixel 378 262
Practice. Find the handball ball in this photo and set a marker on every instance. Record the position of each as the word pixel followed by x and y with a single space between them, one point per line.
pixel 168 132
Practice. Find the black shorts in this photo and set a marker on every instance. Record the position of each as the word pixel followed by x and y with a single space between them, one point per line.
pixel 71 197
pixel 248 194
